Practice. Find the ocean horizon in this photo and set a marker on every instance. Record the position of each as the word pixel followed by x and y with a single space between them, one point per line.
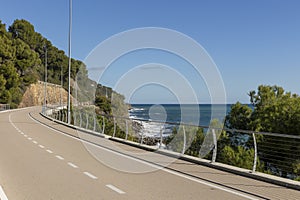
pixel 196 114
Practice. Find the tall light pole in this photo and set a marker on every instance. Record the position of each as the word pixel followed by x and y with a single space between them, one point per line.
pixel 69 84
pixel 61 86
pixel 45 96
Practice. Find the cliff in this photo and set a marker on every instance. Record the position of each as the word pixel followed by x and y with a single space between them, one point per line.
pixel 35 93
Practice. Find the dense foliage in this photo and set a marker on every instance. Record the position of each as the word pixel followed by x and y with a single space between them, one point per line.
pixel 275 111
pixel 22 61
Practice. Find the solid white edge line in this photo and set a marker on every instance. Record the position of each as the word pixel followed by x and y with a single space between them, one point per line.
pixel 152 165
pixel 72 165
pixel 90 175
pixel 115 189
pixel 2 194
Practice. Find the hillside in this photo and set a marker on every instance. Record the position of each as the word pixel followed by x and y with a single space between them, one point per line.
pixel 22 61
pixel 22 65
pixel 34 95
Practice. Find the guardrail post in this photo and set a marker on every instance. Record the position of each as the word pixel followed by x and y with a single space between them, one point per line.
pixel 161 137
pixel 114 134
pixel 80 118
pixel 63 116
pixel 184 140
pixel 103 125
pixel 58 115
pixel 87 120
pixel 75 118
pixel 142 138
pixel 255 153
pixel 126 129
pixel 94 116
pixel 66 116
pixel 214 156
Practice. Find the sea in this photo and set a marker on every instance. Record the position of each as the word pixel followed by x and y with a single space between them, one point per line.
pixel 156 118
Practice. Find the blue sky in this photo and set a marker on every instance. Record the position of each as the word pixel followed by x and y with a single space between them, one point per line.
pixel 251 42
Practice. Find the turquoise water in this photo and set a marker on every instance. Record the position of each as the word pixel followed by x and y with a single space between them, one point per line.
pixel 197 114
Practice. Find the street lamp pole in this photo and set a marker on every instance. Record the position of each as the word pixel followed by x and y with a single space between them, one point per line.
pixel 61 86
pixel 45 96
pixel 69 84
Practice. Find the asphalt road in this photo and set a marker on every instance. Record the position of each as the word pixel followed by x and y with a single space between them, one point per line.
pixel 42 160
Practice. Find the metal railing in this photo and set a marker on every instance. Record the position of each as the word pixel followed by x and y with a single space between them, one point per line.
pixel 272 153
pixel 4 107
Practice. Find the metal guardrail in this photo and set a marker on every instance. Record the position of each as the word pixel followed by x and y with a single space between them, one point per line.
pixel 271 153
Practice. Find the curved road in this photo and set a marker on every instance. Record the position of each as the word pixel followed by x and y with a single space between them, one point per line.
pixel 40 159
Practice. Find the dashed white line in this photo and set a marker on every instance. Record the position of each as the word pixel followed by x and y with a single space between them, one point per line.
pixel 152 165
pixel 115 189
pixel 72 165
pixel 59 157
pixel 2 194
pixel 25 135
pixel 49 151
pixel 35 142
pixel 41 146
pixel 22 133
pixel 90 175
pixel 29 138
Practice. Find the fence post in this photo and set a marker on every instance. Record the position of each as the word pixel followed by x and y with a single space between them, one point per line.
pixel 59 114
pixel 63 116
pixel 87 121
pixel 94 116
pixel 161 137
pixel 214 156
pixel 103 125
pixel 114 134
pixel 80 118
pixel 184 141
pixel 126 129
pixel 75 118
pixel 142 138
pixel 255 153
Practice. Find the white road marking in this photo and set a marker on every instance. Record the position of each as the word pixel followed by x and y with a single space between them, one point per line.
pixel 25 135
pixel 22 133
pixel 49 151
pixel 59 157
pixel 35 142
pixel 90 175
pixel 72 165
pixel 152 165
pixel 2 194
pixel 29 138
pixel 115 189
pixel 41 146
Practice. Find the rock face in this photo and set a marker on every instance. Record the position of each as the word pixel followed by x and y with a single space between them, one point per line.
pixel 34 95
